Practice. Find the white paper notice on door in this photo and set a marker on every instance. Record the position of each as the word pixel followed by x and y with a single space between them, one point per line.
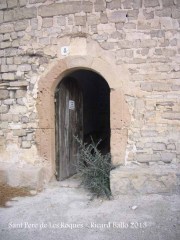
pixel 71 105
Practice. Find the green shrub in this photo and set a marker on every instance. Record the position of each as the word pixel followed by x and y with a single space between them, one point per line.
pixel 94 169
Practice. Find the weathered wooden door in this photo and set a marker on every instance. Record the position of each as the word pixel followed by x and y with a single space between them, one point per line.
pixel 69 123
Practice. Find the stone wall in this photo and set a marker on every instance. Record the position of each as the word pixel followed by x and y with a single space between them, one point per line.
pixel 139 39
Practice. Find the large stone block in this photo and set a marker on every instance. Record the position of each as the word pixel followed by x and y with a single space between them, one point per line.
pixel 9 101
pixel 20 14
pixel 176 13
pixel 145 158
pixel 151 3
pixel 125 44
pixel 167 3
pixel 149 133
pixel 114 4
pixel 8 76
pixel 25 13
pixel 117 16
pixel 4 109
pixel 5 45
pixel 19 132
pixel 6 28
pixel 127 4
pixel 156 146
pixel 167 156
pixel 10 52
pixel 146 87
pixel 12 3
pixel 26 144
pixel 24 68
pixel 132 14
pixel 161 87
pixel 165 12
pixel 3 4
pixel 1 16
pixel 18 84
pixel 22 3
pixel 171 115
pixel 57 9
pixel 169 52
pixel 4 94
pixel 80 20
pixel 9 16
pixel 137 4
pixel 21 25
pixel 157 33
pixel 48 22
pixel 147 43
pixel 148 15
pixel 100 5
pixel 20 93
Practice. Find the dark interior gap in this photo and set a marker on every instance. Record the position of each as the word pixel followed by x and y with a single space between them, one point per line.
pixel 96 108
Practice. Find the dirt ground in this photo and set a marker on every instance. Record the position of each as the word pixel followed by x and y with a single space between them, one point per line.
pixel 7 193
pixel 64 212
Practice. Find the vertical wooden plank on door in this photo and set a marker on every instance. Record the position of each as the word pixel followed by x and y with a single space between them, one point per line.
pixel 68 125
pixel 75 122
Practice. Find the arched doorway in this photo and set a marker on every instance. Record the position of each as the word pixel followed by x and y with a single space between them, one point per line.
pixel 82 108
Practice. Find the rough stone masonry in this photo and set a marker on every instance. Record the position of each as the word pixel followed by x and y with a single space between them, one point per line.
pixel 133 44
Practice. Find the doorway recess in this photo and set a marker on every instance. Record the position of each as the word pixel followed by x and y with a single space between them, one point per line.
pixel 82 108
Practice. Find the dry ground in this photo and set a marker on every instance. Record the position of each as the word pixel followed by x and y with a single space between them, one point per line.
pixel 69 213
pixel 7 193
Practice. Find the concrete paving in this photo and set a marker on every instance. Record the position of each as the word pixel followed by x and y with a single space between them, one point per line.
pixel 65 212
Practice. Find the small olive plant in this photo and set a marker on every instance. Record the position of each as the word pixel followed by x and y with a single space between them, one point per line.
pixel 94 168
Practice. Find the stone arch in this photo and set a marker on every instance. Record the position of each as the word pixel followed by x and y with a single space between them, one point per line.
pixel 119 114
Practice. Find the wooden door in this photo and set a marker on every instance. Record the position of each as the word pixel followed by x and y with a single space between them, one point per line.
pixel 69 123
